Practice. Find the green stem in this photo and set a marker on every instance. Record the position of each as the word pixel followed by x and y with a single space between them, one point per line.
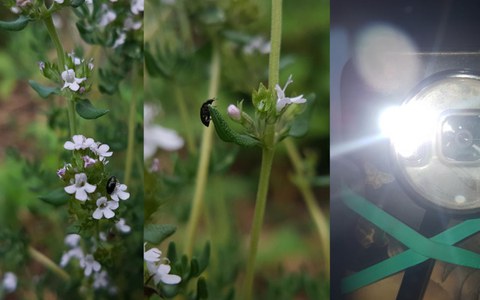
pixel 202 171
pixel 275 42
pixel 267 152
pixel 48 263
pixel 314 209
pixel 182 107
pixel 61 65
pixel 131 127
pixel 260 204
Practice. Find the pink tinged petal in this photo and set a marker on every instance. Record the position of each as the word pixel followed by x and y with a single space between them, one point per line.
pixel 74 86
pixel 112 205
pixel 69 145
pixel 152 255
pixel 89 187
pixel 234 112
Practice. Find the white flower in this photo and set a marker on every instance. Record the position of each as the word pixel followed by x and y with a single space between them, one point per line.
pixel 160 273
pixel 59 1
pixel 76 252
pixel 152 255
pixel 136 6
pixel 100 280
pixel 76 60
pixel 89 264
pixel 9 282
pixel 79 142
pixel 105 208
pixel 129 24
pixel 108 16
pixel 257 44
pixel 61 172
pixel 88 161
pixel 122 226
pixel 234 112
pixel 120 192
pixel 155 136
pixel 71 81
pixel 72 239
pixel 101 150
pixel 81 187
pixel 282 101
pixel 120 40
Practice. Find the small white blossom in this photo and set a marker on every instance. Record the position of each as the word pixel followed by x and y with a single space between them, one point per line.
pixel 81 187
pixel 89 264
pixel 61 172
pixel 71 81
pixel 79 142
pixel 257 44
pixel 15 10
pixel 72 239
pixel 160 273
pixel 100 280
pixel 9 282
pixel 59 1
pixel 76 252
pixel 120 192
pixel 156 136
pixel 122 226
pixel 105 208
pixel 151 255
pixel 76 60
pixel 282 101
pixel 88 161
pixel 90 64
pixel 136 6
pixel 234 112
pixel 41 65
pixel 130 24
pixel 108 16
pixel 101 150
pixel 120 40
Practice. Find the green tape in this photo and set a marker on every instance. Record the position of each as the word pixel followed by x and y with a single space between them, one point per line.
pixel 439 247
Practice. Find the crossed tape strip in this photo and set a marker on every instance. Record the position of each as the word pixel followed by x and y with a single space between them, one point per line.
pixel 421 248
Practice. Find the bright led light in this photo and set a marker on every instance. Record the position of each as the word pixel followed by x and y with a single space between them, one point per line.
pixel 408 128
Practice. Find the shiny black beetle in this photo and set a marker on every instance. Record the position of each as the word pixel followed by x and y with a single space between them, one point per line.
pixel 205 113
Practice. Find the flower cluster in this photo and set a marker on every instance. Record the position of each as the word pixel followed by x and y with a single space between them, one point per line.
pixel 158 270
pixel 86 261
pixel 86 179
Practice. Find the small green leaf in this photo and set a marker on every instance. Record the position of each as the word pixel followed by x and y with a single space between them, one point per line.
pixel 43 91
pixel 15 25
pixel 194 268
pixel 157 233
pixel 204 258
pixel 202 291
pixel 87 111
pixel 227 134
pixel 76 3
pixel 56 197
pixel 172 252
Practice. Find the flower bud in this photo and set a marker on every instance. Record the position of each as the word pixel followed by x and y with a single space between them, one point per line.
pixel 234 112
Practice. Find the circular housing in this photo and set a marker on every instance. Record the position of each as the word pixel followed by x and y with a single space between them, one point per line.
pixel 437 145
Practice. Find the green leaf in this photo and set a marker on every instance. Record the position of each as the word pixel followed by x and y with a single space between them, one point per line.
pixel 15 25
pixel 56 197
pixel 194 268
pixel 204 258
pixel 76 3
pixel 227 134
pixel 43 91
pixel 202 291
pixel 172 252
pixel 157 233
pixel 87 111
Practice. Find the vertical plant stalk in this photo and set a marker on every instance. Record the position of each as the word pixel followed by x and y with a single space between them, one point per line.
pixel 202 171
pixel 131 126
pixel 267 152
pixel 184 115
pixel 48 263
pixel 48 21
pixel 321 223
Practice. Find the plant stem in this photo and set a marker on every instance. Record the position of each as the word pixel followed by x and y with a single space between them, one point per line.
pixel 314 209
pixel 202 171
pixel 48 263
pixel 275 42
pixel 182 107
pixel 61 64
pixel 267 152
pixel 260 204
pixel 131 126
